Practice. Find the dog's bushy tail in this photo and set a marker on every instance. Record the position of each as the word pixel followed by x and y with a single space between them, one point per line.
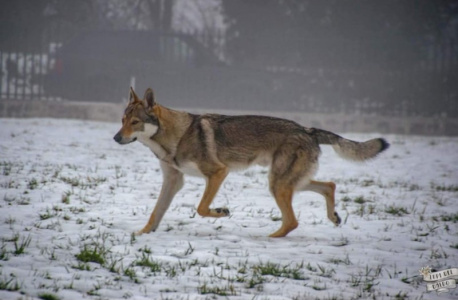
pixel 348 149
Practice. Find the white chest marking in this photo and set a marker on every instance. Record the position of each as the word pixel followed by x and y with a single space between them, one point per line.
pixel 144 137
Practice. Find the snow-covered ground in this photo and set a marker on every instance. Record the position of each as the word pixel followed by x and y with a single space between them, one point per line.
pixel 70 197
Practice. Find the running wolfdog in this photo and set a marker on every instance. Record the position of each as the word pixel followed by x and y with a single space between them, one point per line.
pixel 211 145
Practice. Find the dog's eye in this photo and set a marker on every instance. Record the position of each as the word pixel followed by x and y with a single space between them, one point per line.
pixel 134 122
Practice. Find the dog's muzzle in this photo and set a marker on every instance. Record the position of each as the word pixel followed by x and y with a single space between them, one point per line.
pixel 120 140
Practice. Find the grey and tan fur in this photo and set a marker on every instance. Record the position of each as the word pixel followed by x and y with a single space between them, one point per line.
pixel 211 145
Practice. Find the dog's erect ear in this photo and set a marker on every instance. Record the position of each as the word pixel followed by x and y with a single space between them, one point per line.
pixel 132 96
pixel 149 98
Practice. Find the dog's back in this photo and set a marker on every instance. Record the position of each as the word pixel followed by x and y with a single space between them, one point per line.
pixel 239 141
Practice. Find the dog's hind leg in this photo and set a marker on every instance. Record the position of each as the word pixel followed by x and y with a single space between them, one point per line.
pixel 327 190
pixel 286 170
pixel 214 181
pixel 173 182
pixel 283 195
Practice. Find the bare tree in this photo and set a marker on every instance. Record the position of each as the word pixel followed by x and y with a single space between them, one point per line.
pixel 136 14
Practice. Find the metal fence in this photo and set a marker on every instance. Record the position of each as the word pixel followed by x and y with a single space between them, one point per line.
pixel 190 70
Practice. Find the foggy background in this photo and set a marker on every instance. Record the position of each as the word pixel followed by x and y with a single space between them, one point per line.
pixel 396 58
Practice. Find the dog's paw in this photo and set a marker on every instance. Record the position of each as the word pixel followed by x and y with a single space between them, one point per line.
pixel 223 212
pixel 337 220
pixel 138 233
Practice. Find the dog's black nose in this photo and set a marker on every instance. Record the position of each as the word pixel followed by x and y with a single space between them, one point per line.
pixel 117 137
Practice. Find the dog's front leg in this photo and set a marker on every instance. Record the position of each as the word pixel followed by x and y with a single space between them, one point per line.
pixel 173 182
pixel 213 183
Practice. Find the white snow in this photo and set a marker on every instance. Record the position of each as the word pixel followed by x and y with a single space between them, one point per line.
pixel 66 185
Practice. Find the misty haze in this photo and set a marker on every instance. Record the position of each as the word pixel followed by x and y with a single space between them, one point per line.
pixel 359 58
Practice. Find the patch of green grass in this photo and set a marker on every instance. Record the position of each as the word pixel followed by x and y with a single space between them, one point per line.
pixel 414 187
pixel 146 261
pixel 19 247
pixel 93 292
pixel 401 296
pixel 446 188
pixel 228 290
pixel 133 238
pixel 366 280
pixel 66 197
pixel 130 272
pixel 73 181
pixel 10 220
pixel 310 267
pixel 438 254
pixel 83 183
pixel 4 255
pixel 324 272
pixel 368 182
pixel 171 271
pixel 447 218
pixel 9 284
pixel 255 275
pixel 145 249
pixel 33 184
pixel 360 200
pixel 82 266
pixel 338 261
pixel 95 181
pixel 6 167
pixel 96 255
pixel 167 290
pixel 396 210
pixel 278 270
pixel 189 250
pixel 48 296
pixel 48 214
pixel 77 210
pixel 255 281
pixel 346 199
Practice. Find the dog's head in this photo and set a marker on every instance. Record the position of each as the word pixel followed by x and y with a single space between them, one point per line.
pixel 140 121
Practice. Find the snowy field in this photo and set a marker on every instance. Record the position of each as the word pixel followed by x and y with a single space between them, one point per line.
pixel 70 197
